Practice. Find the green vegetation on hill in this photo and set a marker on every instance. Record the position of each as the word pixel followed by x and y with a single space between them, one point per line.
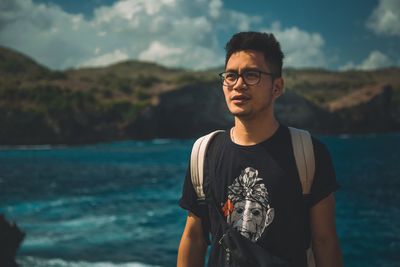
pixel 322 86
pixel 50 114
pixel 38 105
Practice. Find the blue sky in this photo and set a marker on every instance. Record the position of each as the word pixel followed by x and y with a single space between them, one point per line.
pixel 337 35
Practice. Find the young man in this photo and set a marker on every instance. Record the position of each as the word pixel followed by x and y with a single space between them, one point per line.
pixel 250 171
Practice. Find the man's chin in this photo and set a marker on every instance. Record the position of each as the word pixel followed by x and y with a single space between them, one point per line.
pixel 243 114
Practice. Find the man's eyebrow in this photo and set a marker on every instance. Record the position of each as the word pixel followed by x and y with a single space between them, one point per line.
pixel 230 70
pixel 245 69
pixel 251 69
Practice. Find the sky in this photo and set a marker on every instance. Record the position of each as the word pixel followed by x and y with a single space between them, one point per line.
pixel 335 35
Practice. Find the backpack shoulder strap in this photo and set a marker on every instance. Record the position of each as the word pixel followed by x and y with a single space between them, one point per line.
pixel 302 149
pixel 197 157
pixel 304 155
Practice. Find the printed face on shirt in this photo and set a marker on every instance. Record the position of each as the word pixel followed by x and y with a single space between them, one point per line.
pixel 251 210
pixel 248 218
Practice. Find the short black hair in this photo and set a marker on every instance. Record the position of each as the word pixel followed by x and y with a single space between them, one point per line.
pixel 265 43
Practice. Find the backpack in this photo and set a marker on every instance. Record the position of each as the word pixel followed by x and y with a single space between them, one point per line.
pixel 303 154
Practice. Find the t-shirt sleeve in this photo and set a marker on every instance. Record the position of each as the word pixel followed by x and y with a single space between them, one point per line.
pixel 325 181
pixel 188 200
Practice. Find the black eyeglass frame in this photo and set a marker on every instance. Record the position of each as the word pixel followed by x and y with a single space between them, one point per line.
pixel 221 75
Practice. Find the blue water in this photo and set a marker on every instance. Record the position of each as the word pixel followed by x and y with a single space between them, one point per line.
pixel 115 204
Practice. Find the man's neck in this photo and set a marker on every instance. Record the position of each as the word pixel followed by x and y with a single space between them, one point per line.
pixel 254 131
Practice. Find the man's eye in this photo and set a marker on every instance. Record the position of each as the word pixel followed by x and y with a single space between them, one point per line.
pixel 230 76
pixel 251 75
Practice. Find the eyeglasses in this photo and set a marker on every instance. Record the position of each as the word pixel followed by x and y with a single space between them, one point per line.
pixel 250 77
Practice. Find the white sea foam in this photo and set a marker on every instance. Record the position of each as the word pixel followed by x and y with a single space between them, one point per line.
pixel 40 262
pixel 161 141
pixel 40 242
pixel 25 207
pixel 64 231
pixel 32 147
pixel 90 221
pixel 344 136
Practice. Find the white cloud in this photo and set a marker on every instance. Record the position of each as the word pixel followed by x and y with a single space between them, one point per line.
pixel 375 60
pixel 105 59
pixel 214 8
pixel 161 52
pixel 44 32
pixel 385 19
pixel 176 33
pixel 301 48
pixel 348 66
pixel 126 29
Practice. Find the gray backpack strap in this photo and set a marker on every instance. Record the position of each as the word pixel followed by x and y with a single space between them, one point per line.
pixel 304 155
pixel 197 162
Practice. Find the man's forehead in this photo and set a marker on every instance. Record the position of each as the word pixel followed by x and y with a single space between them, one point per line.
pixel 246 59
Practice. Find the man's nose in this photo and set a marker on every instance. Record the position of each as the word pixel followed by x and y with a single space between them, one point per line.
pixel 240 84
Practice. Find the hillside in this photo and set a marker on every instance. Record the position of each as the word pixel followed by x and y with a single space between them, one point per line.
pixel 141 100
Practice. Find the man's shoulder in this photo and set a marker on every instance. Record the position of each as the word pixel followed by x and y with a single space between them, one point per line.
pixel 319 146
pixel 219 140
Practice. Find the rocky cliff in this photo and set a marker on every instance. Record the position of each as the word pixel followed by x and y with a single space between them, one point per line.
pixel 365 109
pixel 138 100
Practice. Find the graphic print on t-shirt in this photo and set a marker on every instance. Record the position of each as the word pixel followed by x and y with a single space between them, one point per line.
pixel 248 207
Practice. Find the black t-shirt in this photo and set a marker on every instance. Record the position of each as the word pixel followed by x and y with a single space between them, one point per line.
pixel 258 191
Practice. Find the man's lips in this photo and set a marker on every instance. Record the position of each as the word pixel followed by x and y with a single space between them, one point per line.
pixel 239 98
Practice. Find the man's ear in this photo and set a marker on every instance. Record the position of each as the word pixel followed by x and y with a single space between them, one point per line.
pixel 278 87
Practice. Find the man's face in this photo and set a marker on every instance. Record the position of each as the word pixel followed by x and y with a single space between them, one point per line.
pixel 248 101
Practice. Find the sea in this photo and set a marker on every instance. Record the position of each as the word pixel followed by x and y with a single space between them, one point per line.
pixel 116 204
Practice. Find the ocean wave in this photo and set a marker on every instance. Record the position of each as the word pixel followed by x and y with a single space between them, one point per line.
pixel 32 147
pixel 27 207
pixel 28 261
pixel 344 136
